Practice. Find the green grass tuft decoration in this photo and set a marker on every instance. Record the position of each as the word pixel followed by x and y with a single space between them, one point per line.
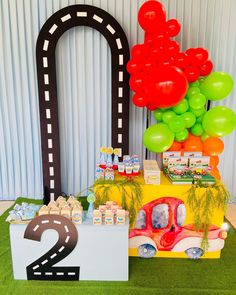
pixel 203 203
pixel 129 189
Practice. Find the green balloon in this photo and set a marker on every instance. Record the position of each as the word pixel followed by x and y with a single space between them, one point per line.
pixel 181 107
pixel 181 136
pixel 219 121
pixel 192 91
pixel 158 138
pixel 204 136
pixel 167 116
pixel 201 80
pixel 197 129
pixel 197 112
pixel 197 101
pixel 217 86
pixel 177 124
pixel 158 114
pixel 200 118
pixel 189 119
pixel 194 84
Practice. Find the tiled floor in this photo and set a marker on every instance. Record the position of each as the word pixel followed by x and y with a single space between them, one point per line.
pixel 230 214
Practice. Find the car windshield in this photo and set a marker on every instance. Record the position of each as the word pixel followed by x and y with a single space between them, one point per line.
pixel 160 216
pixel 141 220
pixel 181 214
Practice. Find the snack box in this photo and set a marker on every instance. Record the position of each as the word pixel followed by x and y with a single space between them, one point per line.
pixel 192 154
pixel 152 173
pixel 178 165
pixel 167 155
pixel 199 165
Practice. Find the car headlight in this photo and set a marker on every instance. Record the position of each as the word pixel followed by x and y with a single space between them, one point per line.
pixel 223 234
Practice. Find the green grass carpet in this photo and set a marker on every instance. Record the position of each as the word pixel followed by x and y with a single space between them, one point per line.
pixel 151 276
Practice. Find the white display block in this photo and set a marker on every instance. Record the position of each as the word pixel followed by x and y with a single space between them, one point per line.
pixel 101 251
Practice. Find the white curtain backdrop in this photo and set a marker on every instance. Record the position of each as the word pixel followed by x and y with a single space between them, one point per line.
pixel 84 81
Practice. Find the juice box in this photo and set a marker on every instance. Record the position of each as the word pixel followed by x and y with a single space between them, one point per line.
pixel 97 217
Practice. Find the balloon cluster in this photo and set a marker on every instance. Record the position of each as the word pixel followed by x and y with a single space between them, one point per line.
pixel 189 117
pixel 159 71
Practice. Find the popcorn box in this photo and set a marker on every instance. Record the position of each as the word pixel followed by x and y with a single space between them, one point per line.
pixel 97 217
pixel 120 218
pixel 77 214
pixel 152 173
pixel 167 155
pixel 109 217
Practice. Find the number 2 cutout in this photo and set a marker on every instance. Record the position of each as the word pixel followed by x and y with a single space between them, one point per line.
pixel 42 268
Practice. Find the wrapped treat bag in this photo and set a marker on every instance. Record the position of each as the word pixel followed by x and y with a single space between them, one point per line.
pixel 55 210
pixel 66 212
pixel 109 152
pixel 43 210
pixel 52 204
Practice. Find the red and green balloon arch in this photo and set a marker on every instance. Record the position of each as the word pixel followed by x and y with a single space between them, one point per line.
pixel 178 87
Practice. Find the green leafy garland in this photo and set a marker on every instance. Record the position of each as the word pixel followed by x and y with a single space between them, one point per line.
pixel 129 189
pixel 203 204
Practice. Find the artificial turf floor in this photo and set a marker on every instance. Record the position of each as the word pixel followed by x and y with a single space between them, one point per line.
pixel 147 276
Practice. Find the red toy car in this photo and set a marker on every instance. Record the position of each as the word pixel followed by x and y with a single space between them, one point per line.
pixel 159 227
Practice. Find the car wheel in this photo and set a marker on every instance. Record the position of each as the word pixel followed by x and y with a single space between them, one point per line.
pixel 146 251
pixel 194 253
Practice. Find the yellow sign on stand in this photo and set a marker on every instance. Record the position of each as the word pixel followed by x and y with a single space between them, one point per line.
pixel 164 223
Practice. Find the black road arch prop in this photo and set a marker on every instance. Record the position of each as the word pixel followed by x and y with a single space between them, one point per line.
pixel 52 30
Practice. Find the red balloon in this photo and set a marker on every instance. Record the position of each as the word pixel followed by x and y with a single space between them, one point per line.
pixel 161 39
pixel 149 39
pixel 192 73
pixel 206 68
pixel 199 56
pixel 168 87
pixel 139 52
pixel 190 51
pixel 150 15
pixel 173 27
pixel 172 47
pixel 181 60
pixel 139 100
pixel 137 82
pixel 151 107
pixel 132 67
pixel 149 66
